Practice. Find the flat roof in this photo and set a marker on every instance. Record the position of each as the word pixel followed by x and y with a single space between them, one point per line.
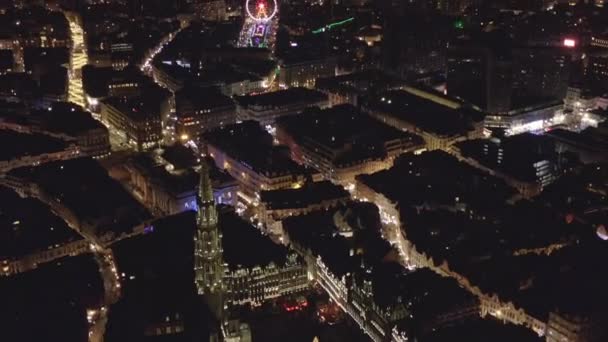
pixel 61 290
pixel 29 226
pixel 201 98
pixel 311 193
pixel 245 246
pixel 482 330
pixel 282 98
pixel 68 118
pixel 513 155
pixel 318 232
pixel 353 135
pixel 437 178
pixel 426 114
pixel 85 187
pixel 251 145
pixel 136 108
pixel 17 145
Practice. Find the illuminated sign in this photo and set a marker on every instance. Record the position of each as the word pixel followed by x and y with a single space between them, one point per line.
pixel 261 12
pixel 568 42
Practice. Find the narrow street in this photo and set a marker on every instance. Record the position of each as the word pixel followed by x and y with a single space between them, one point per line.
pixel 111 284
pixel 146 66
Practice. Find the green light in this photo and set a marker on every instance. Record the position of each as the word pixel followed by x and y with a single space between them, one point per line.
pixel 459 24
pixel 332 25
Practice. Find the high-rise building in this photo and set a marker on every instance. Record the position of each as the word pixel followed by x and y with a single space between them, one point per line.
pixel 208 260
pixel 540 72
pixel 497 78
pixel 480 76
pixel 414 42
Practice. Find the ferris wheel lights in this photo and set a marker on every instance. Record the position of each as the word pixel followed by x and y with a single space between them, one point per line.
pixel 262 15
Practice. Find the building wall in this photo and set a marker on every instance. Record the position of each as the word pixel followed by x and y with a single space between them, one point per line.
pixel 144 133
pixel 243 87
pixel 601 42
pixel 252 182
pixel 304 74
pixel 433 141
pixel 566 329
pixel 70 152
pixel 268 215
pixel 194 122
pixel 266 115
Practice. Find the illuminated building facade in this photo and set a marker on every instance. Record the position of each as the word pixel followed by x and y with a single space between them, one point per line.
pixel 199 110
pixel 304 73
pixel 342 143
pixel 245 151
pixel 598 41
pixel 261 283
pixel 427 114
pixel 265 108
pixel 597 68
pixel 139 120
pixel 532 118
pixel 572 328
pixel 279 204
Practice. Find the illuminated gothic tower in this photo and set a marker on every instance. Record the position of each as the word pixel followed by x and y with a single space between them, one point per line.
pixel 208 263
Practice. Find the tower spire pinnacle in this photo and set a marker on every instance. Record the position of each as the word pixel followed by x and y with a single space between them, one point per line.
pixel 207 213
pixel 205 188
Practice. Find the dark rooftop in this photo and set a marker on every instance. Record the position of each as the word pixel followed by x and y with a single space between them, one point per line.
pixel 158 282
pixel 319 232
pixel 514 155
pixel 137 108
pixel 282 98
pixel 83 186
pixel 60 291
pixel 482 330
pixel 47 56
pixel 426 114
pixel 509 229
pixel 18 145
pixel 6 60
pixel 180 156
pixel 424 293
pixel 245 246
pixel 311 193
pixel 95 80
pixel 173 182
pixel 249 143
pixel 436 178
pixel 67 118
pixel 348 133
pixel 29 226
pixel 359 82
pixel 197 98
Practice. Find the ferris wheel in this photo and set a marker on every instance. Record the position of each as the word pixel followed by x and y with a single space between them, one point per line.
pixel 261 10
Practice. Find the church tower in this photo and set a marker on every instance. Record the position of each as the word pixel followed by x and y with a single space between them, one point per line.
pixel 208 263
